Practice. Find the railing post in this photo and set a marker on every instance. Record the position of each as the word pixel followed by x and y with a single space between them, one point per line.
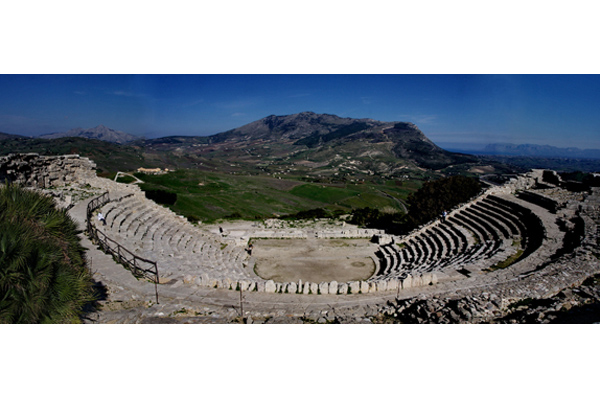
pixel 156 282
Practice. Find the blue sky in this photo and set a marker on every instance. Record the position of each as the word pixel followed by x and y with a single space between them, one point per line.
pixel 559 110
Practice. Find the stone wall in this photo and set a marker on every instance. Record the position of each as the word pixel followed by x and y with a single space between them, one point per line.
pixel 42 172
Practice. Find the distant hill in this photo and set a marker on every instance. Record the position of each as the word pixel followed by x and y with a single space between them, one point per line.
pixel 534 150
pixel 109 157
pixel 100 132
pixel 9 136
pixel 319 138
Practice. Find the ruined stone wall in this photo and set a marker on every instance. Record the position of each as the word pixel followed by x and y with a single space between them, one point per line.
pixel 42 172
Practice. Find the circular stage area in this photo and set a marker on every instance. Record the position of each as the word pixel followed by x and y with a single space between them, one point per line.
pixel 314 260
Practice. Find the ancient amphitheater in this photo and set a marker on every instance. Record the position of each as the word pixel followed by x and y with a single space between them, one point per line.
pixel 527 239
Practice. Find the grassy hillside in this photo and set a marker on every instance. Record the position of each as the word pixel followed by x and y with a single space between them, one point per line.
pixel 208 196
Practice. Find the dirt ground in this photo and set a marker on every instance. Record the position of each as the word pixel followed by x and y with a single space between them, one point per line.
pixel 314 260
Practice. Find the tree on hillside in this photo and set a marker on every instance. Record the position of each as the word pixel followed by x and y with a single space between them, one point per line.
pixel 434 197
pixel 424 205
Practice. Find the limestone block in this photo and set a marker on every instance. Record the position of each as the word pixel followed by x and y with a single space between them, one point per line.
pixel 314 288
pixel 278 287
pixel 251 286
pixel 417 281
pixel 364 287
pixel 262 285
pixel 224 283
pixel 270 287
pixel 382 286
pixel 304 288
pixel 354 287
pixel 343 288
pixel 333 287
pixel 372 287
pixel 434 278
pixel 292 287
pixel 205 281
pixel 407 282
pixel 244 285
pixel 323 288
pixel 392 284
pixel 189 279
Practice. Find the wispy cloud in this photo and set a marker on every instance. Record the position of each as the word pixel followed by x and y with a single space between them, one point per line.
pixel 367 99
pixel 193 103
pixel 237 104
pixel 294 96
pixel 238 114
pixel 419 118
pixel 123 93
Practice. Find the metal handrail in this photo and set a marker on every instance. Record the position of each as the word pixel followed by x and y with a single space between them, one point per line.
pixel 122 255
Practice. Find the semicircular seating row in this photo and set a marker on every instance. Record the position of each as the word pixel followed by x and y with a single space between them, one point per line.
pixel 155 232
pixel 478 236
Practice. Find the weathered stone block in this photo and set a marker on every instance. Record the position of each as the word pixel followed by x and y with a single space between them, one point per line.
pixel 270 287
pixel 364 287
pixel 292 287
pixel 305 288
pixel 314 288
pixel 392 284
pixel 407 282
pixel 417 281
pixel 342 288
pixel 324 288
pixel 382 286
pixel 354 287
pixel 333 287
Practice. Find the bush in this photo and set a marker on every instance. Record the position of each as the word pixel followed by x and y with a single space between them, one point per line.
pixel 43 274
pixel 160 196
pixel 314 213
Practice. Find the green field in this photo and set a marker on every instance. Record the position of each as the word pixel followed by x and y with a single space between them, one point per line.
pixel 209 196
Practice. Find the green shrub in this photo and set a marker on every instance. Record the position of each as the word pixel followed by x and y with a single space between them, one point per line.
pixel 160 196
pixel 43 274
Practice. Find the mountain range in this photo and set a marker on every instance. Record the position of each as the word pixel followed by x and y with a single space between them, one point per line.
pixel 100 132
pixel 319 138
pixel 534 150
pixel 323 146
